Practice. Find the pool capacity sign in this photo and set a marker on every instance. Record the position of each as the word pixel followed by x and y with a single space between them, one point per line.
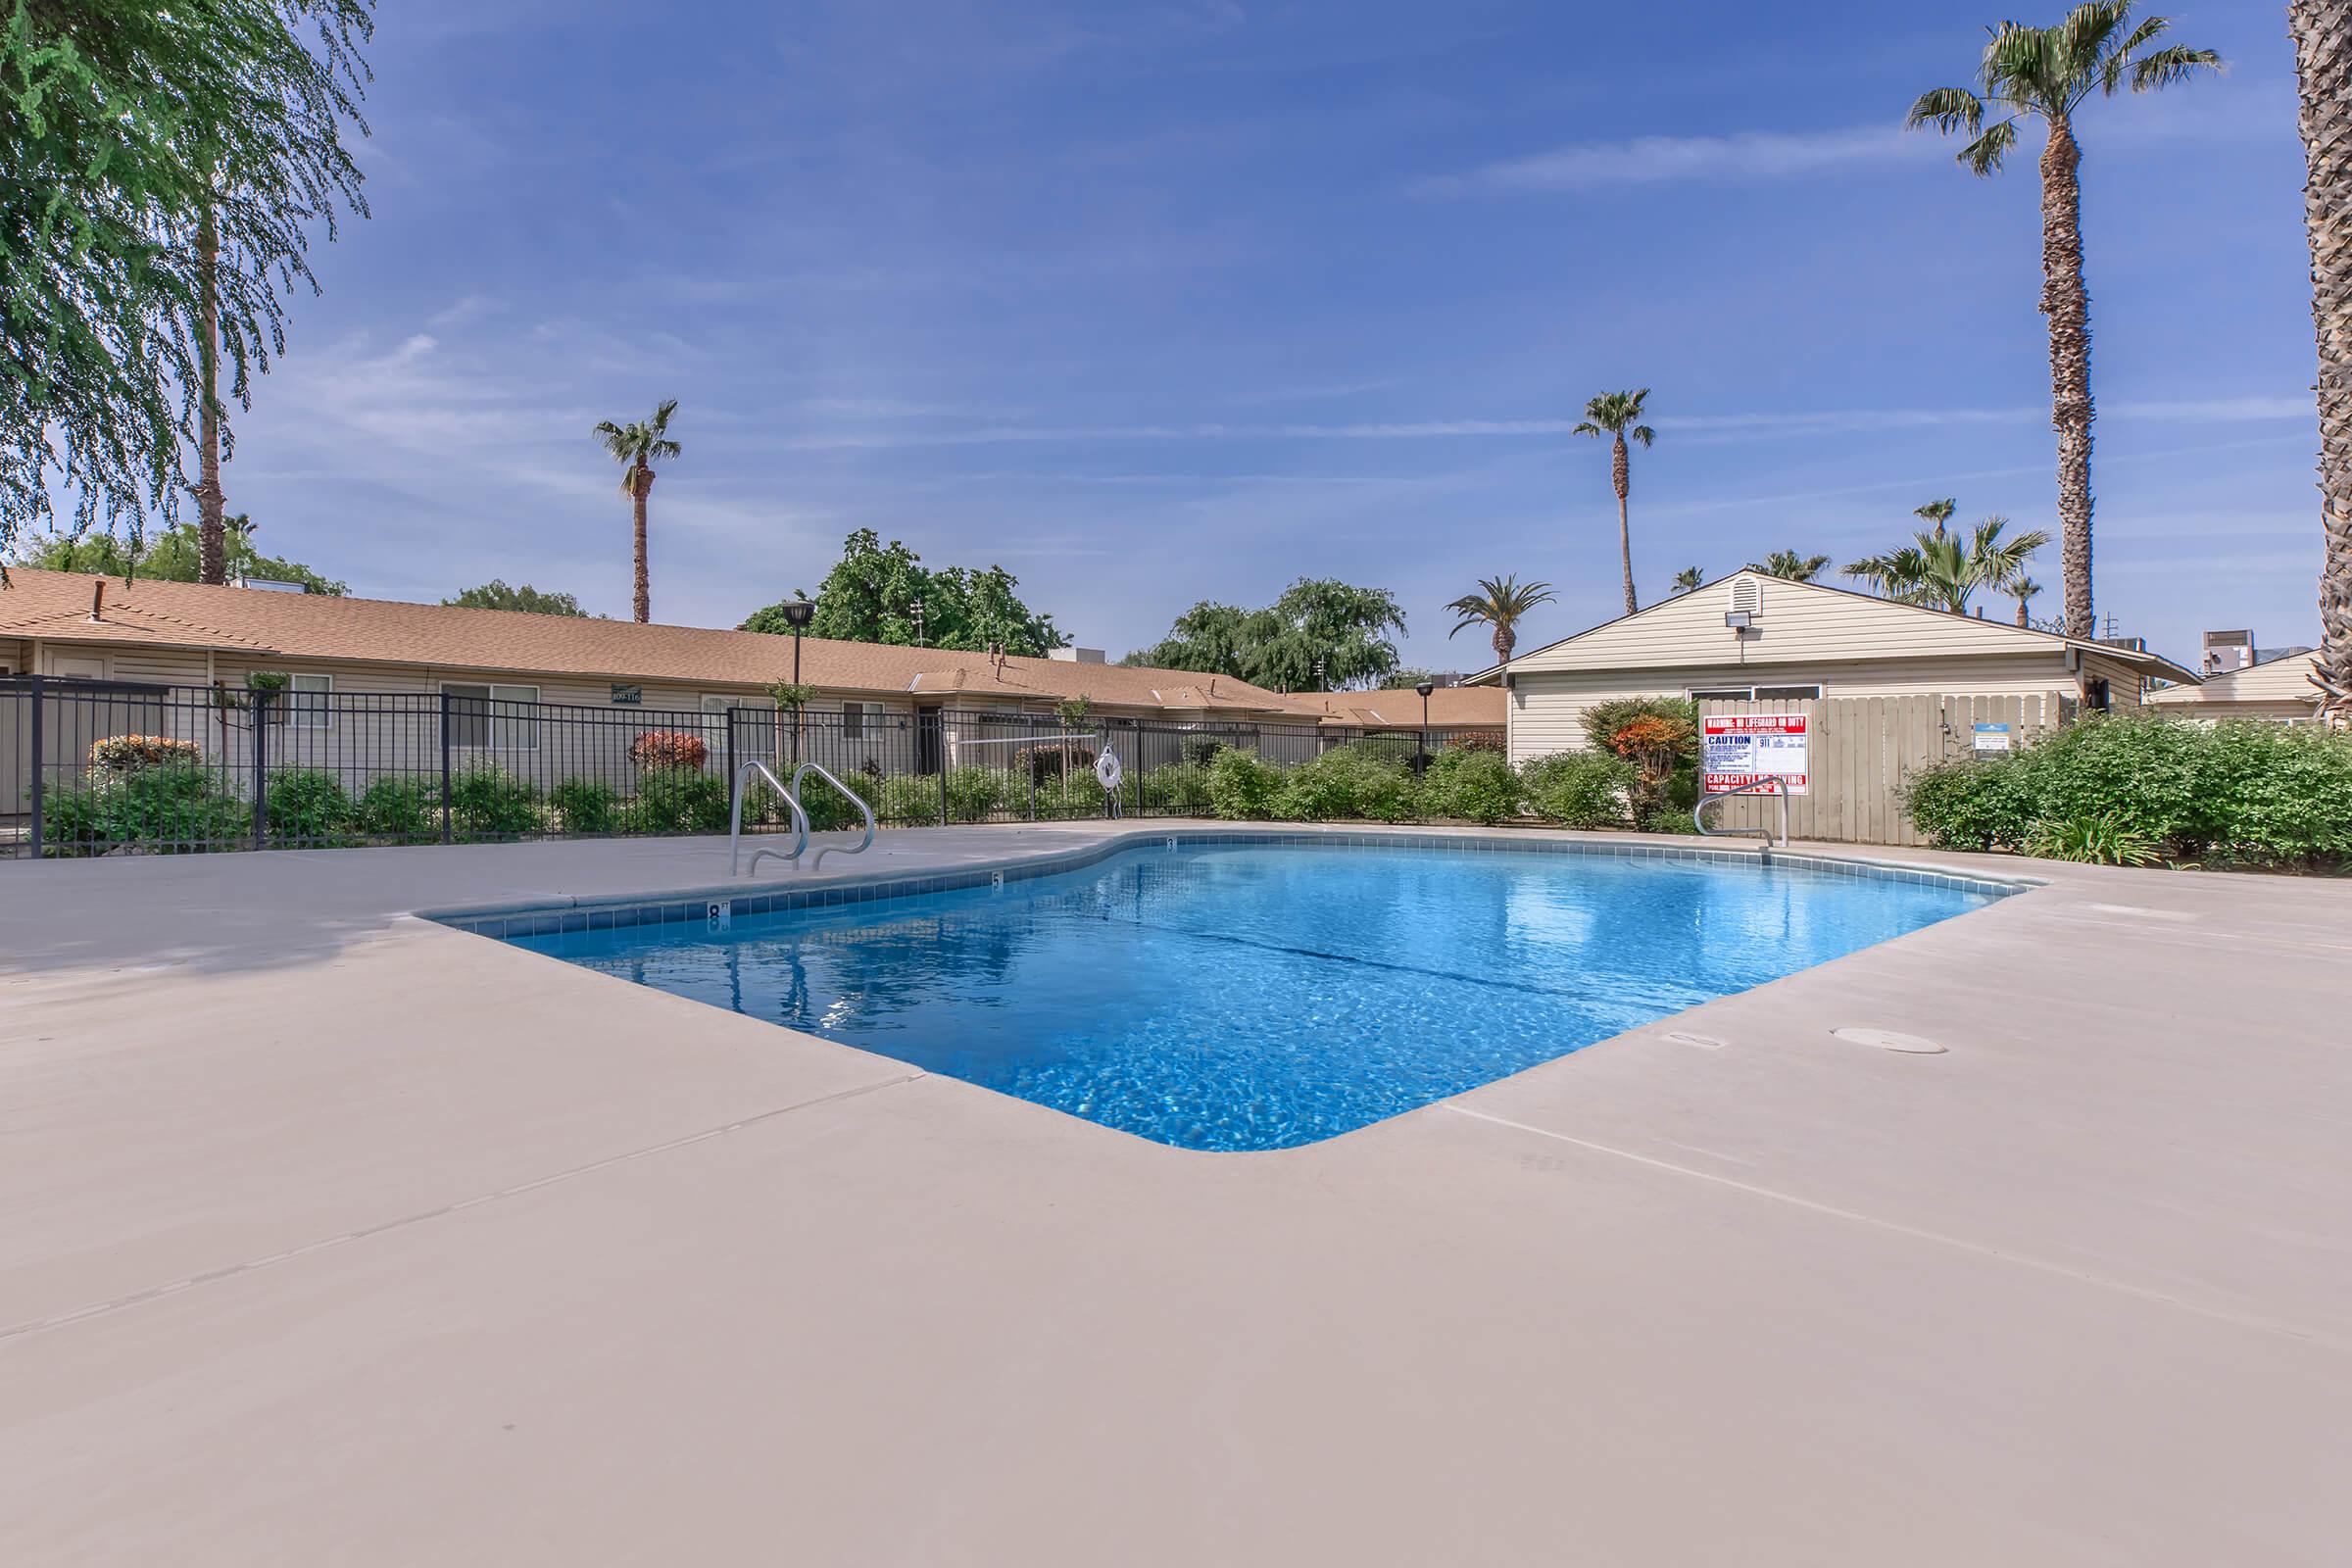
pixel 1743 748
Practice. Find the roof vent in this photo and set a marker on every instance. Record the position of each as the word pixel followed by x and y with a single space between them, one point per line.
pixel 1747 596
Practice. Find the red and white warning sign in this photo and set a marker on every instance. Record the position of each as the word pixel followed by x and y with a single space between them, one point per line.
pixel 1736 750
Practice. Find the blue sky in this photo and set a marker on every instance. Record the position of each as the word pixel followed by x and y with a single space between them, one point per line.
pixel 1164 300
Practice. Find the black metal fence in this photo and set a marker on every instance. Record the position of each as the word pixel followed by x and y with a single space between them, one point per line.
pixel 96 768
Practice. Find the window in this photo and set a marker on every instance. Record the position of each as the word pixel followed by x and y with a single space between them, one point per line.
pixel 1756 694
pixel 306 703
pixel 853 721
pixel 499 717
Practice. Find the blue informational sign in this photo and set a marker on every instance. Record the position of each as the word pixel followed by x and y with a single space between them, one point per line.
pixel 1993 737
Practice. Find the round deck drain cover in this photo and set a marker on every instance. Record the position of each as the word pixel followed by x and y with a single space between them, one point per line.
pixel 1888 1039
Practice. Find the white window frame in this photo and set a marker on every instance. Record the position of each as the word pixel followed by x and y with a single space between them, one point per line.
pixel 503 732
pixel 1792 692
pixel 306 715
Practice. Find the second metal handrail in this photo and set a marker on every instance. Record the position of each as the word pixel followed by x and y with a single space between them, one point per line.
pixel 1698 812
pixel 802 771
pixel 799 818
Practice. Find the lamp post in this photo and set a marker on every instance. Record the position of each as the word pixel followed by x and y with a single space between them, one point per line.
pixel 797 613
pixel 1421 762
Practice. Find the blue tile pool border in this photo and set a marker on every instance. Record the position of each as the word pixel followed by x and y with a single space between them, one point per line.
pixel 626 911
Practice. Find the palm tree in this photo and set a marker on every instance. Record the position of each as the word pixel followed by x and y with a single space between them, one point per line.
pixel 1618 415
pixel 1688 580
pixel 2323 74
pixel 637 446
pixel 2047 73
pixel 212 535
pixel 1499 603
pixel 2022 588
pixel 1940 571
pixel 1792 566
pixel 1935 514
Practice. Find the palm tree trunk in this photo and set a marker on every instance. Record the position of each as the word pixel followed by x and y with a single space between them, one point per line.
pixel 642 487
pixel 2067 304
pixel 1621 475
pixel 1506 640
pixel 212 538
pixel 2323 36
pixel 2022 617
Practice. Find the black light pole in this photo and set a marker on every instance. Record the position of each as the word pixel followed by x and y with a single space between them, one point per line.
pixel 797 613
pixel 1425 688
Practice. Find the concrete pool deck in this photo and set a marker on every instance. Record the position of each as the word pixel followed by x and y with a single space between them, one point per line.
pixel 327 1234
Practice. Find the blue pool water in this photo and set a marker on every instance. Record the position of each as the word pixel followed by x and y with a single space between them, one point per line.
pixel 1262 996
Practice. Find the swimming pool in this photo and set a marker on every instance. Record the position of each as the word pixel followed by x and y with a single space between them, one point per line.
pixel 1240 996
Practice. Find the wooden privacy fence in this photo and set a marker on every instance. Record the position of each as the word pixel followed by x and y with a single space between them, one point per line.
pixel 1862 752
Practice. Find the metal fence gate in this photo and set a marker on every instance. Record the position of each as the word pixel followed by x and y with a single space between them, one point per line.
pixel 1863 751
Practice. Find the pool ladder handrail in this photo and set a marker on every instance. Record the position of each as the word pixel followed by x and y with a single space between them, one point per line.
pixel 1698 813
pixel 800 816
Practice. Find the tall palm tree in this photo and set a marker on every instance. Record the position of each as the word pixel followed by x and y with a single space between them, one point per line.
pixel 2047 73
pixel 1942 572
pixel 1792 566
pixel 2022 588
pixel 2322 34
pixel 1935 514
pixel 1618 415
pixel 1499 603
pixel 1689 579
pixel 637 446
pixel 212 534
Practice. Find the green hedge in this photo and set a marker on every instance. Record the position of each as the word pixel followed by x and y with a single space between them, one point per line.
pixel 169 808
pixel 2136 787
pixel 1588 789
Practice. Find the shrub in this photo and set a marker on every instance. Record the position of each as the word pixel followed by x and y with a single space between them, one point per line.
pixel 976 793
pixel 1587 789
pixel 1660 736
pixel 910 798
pixel 170 807
pixel 488 803
pixel 403 810
pixel 1240 787
pixel 1478 740
pixel 128 754
pixel 669 748
pixel 1052 760
pixel 309 807
pixel 828 808
pixel 1199 750
pixel 1349 781
pixel 1471 786
pixel 586 805
pixel 2093 840
pixel 678 802
pixel 1179 788
pixel 2111 786
pixel 1080 795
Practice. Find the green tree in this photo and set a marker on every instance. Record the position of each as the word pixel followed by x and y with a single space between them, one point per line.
pixel 879 593
pixel 162 170
pixel 176 555
pixel 2022 588
pixel 1321 635
pixel 2324 76
pixel 1689 579
pixel 1792 566
pixel 1941 570
pixel 496 595
pixel 637 446
pixel 1937 514
pixel 2048 73
pixel 1618 415
pixel 1499 603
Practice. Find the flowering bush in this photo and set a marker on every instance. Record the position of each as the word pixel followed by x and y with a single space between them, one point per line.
pixel 665 748
pixel 128 754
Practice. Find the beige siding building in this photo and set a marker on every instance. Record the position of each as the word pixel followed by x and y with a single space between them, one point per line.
pixel 2278 689
pixel 1750 637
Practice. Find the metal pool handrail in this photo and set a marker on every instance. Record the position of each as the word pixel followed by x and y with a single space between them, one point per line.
pixel 802 771
pixel 799 818
pixel 1698 812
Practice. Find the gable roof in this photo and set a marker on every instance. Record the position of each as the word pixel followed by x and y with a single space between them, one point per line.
pixel 2283 679
pixel 1906 631
pixel 1400 707
pixel 55 606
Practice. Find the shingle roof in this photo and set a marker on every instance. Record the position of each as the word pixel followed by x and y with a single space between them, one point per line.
pixel 1400 707
pixel 55 606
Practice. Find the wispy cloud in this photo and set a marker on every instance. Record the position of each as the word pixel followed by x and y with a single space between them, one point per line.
pixel 1746 155
pixel 1766 424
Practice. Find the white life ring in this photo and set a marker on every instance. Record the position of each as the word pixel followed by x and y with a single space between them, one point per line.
pixel 1109 771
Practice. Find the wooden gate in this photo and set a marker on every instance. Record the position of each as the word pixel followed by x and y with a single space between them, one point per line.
pixel 1862 752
